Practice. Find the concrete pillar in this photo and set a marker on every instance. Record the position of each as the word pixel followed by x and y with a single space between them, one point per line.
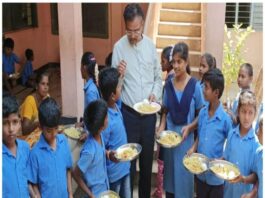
pixel 71 49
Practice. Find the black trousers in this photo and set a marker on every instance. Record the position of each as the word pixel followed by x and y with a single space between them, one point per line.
pixel 141 129
pixel 205 190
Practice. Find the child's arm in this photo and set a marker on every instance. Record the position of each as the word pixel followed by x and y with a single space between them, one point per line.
pixel 77 174
pixel 34 191
pixel 193 147
pixel 250 179
pixel 188 128
pixel 69 183
pixel 162 125
pixel 253 193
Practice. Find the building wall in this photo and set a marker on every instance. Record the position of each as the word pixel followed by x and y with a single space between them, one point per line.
pixel 46 45
pixel 214 30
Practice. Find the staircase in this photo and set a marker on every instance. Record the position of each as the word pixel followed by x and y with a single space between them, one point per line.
pixel 181 22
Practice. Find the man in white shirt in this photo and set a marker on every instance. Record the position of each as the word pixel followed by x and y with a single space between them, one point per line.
pixel 135 57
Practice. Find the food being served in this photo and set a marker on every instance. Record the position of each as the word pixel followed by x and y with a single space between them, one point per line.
pixel 169 139
pixel 225 171
pixel 147 107
pixel 195 164
pixel 126 153
pixel 72 132
pixel 109 196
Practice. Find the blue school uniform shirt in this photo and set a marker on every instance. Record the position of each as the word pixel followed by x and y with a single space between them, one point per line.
pixel 177 179
pixel 27 72
pixel 92 164
pixel 48 167
pixel 202 85
pixel 9 63
pixel 258 169
pixel 240 151
pixel 91 92
pixel 212 133
pixel 114 137
pixel 14 171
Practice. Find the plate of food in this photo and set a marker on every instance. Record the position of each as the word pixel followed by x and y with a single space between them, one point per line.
pixel 109 194
pixel 128 152
pixel 146 107
pixel 169 139
pixel 195 163
pixel 224 169
pixel 72 132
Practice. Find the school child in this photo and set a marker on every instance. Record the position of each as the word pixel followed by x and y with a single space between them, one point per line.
pixel 9 60
pixel 88 64
pixel 244 80
pixel 165 62
pixel 182 98
pixel 115 133
pixel 207 62
pixel 213 127
pixel 50 160
pixel 15 152
pixel 241 147
pixel 90 172
pixel 166 67
pixel 28 77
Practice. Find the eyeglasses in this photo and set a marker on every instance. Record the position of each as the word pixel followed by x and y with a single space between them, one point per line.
pixel 131 32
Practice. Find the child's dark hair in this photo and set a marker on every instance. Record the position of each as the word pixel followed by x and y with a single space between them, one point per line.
pixel 94 115
pixel 216 80
pixel 9 43
pixel 108 59
pixel 210 60
pixel 166 52
pixel 131 11
pixel 247 97
pixel 89 62
pixel 249 68
pixel 49 113
pixel 182 50
pixel 29 54
pixel 40 76
pixel 108 82
pixel 10 105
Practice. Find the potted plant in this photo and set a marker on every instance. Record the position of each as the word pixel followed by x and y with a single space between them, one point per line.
pixel 232 58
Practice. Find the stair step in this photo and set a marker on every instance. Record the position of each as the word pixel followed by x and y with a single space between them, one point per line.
pixel 179 29
pixel 163 41
pixel 180 15
pixel 182 6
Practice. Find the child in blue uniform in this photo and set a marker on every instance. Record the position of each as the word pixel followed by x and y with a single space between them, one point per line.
pixel 241 147
pixel 213 127
pixel 28 78
pixel 115 133
pixel 50 159
pixel 15 152
pixel 90 172
pixel 244 80
pixel 182 98
pixel 9 61
pixel 207 62
pixel 257 190
pixel 88 64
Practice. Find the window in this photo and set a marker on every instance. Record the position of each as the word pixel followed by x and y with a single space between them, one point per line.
pixel 54 18
pixel 19 16
pixel 249 14
pixel 94 19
